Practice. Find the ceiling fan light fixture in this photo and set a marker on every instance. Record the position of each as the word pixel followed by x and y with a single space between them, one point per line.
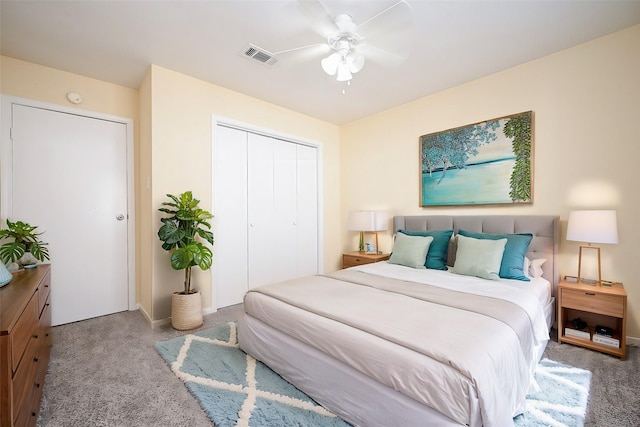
pixel 344 74
pixel 330 63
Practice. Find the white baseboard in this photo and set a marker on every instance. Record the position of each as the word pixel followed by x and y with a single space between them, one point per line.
pixel 152 323
pixel 209 310
pixel 633 341
pixel 155 323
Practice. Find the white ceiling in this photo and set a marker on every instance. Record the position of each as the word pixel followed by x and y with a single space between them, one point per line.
pixel 449 43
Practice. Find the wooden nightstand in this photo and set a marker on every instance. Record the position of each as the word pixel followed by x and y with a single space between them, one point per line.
pixel 351 259
pixel 596 305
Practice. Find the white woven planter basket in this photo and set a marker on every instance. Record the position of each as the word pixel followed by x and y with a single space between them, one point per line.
pixel 186 311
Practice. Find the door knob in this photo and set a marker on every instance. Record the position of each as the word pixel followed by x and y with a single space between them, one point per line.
pixel 120 217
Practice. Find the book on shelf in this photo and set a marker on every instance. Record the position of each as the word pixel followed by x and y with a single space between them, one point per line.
pixel 604 331
pixel 608 341
pixel 578 333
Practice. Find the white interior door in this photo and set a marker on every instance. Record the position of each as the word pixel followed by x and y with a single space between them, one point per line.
pixel 70 178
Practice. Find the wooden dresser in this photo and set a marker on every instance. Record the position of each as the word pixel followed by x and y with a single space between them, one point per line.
pixel 25 342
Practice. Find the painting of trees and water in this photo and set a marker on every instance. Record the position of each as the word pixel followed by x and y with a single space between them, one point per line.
pixel 482 163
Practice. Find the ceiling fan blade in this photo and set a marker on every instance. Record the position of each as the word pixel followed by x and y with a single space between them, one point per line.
pixel 381 56
pixel 394 19
pixel 317 47
pixel 355 62
pixel 318 16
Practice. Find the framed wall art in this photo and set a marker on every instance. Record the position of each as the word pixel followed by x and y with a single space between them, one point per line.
pixel 483 163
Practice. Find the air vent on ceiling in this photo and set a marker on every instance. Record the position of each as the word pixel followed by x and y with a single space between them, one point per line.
pixel 259 54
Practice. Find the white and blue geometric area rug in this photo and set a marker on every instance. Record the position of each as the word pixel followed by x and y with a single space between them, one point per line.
pixel 236 390
pixel 561 399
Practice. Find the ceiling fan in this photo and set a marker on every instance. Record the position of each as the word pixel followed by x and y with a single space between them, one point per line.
pixel 378 38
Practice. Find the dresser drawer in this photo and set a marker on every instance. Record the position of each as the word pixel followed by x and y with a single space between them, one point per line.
pixel 45 325
pixel 44 291
pixel 26 327
pixel 609 305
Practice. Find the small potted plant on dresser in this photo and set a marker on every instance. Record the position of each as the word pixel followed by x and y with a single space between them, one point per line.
pixel 179 233
pixel 23 246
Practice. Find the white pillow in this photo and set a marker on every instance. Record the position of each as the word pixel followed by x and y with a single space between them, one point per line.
pixel 533 268
pixel 410 251
pixel 479 257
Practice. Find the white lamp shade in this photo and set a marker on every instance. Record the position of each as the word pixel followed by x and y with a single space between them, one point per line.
pixel 330 63
pixel 343 72
pixel 593 226
pixel 368 221
pixel 355 62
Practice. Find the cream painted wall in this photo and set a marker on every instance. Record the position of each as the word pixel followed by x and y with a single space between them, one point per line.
pixel 587 144
pixel 32 81
pixel 181 110
pixel 145 215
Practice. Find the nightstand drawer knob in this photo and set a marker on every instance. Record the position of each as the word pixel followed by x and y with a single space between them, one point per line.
pixel 591 294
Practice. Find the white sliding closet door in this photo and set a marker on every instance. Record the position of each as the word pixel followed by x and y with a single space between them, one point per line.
pixel 261 203
pixel 266 211
pixel 307 208
pixel 230 215
pixel 284 232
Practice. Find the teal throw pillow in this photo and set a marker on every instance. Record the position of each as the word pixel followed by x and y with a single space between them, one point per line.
pixel 5 275
pixel 479 257
pixel 410 251
pixel 437 255
pixel 512 265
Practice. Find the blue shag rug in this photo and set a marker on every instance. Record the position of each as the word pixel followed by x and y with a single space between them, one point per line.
pixel 236 390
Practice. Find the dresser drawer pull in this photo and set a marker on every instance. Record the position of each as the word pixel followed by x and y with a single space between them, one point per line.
pixel 35 359
pixel 591 294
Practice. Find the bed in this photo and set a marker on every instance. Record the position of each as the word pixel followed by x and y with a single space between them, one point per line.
pixel 390 344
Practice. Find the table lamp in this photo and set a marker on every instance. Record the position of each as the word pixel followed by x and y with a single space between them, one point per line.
pixel 592 226
pixel 368 222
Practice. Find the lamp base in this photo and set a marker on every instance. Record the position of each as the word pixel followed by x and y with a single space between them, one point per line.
pixel 589 281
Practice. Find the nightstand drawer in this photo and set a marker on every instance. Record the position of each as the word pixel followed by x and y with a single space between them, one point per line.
pixel 359 258
pixel 350 261
pixel 609 305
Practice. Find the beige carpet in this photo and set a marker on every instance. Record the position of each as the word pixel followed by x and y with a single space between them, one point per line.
pixel 106 372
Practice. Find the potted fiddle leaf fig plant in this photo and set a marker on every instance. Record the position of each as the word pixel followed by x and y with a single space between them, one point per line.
pixel 23 245
pixel 182 233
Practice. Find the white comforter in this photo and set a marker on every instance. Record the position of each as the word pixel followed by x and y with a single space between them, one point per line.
pixel 471 367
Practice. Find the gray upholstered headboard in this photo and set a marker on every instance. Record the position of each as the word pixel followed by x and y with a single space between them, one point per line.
pixel 545 230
